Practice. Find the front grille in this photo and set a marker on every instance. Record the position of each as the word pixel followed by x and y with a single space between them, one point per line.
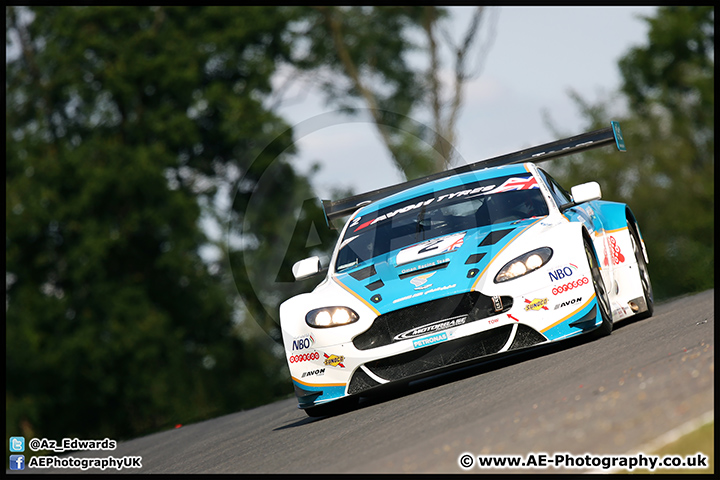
pixel 455 309
pixel 444 354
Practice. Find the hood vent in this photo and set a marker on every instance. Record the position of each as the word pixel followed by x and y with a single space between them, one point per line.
pixel 494 237
pixel 474 258
pixel 375 285
pixel 363 273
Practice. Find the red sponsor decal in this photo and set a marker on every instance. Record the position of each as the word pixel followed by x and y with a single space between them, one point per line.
pixel 363 225
pixel 517 183
pixel 305 357
pixel 456 244
pixel 617 256
pixel 569 286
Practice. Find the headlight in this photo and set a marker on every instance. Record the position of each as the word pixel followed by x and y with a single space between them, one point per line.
pixel 524 264
pixel 330 317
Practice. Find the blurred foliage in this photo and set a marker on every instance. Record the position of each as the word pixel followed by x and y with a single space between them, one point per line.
pixel 667 176
pixel 124 126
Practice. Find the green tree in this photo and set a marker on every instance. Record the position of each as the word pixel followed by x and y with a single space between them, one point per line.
pixel 362 58
pixel 124 126
pixel 667 175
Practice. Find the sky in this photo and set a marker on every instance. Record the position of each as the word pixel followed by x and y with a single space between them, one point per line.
pixel 538 54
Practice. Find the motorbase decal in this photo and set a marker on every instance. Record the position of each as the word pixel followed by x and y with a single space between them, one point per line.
pixel 431 327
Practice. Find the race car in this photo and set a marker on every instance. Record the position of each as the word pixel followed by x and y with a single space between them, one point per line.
pixel 461 266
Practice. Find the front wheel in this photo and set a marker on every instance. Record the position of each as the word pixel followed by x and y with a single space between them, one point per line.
pixel 603 302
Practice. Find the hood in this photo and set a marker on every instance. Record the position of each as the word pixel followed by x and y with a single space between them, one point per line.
pixel 431 269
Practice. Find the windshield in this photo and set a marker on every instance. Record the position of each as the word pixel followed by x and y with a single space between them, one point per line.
pixel 457 209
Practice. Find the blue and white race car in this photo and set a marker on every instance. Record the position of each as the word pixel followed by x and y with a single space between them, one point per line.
pixel 459 266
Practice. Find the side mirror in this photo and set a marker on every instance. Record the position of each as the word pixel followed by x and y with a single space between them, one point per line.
pixel 585 192
pixel 306 268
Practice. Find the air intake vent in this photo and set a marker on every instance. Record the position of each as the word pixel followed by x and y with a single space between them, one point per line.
pixel 361 381
pixel 494 237
pixel 363 273
pixel 526 337
pixel 474 258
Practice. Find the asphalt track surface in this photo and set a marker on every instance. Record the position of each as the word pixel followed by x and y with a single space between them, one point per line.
pixel 603 397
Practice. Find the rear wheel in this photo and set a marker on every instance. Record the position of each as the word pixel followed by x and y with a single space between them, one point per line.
pixel 603 302
pixel 642 272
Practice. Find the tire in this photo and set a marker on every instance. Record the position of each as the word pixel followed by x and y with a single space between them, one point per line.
pixel 603 302
pixel 643 273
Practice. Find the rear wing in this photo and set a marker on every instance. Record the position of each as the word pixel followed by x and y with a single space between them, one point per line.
pixel 540 153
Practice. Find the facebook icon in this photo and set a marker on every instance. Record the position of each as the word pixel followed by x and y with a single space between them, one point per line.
pixel 17 462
